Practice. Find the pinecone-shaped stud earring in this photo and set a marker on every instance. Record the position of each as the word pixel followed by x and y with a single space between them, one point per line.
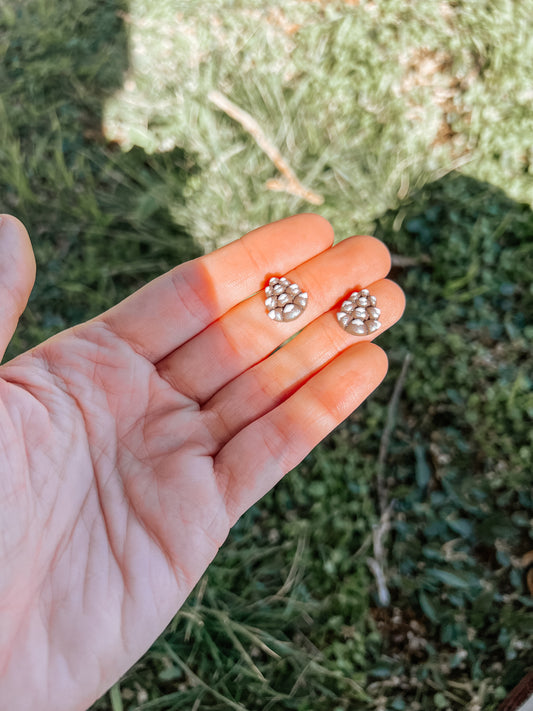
pixel 284 300
pixel 359 313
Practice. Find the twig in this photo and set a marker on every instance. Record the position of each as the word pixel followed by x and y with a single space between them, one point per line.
pixel 401 261
pixel 289 182
pixel 293 572
pixel 377 564
pixel 454 165
pixel 387 432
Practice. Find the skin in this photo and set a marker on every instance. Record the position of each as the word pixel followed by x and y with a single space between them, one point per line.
pixel 130 444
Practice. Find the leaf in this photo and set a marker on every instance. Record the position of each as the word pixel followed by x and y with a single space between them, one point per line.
pixel 462 526
pixel 427 607
pixel 115 697
pixel 170 674
pixel 440 700
pixel 453 580
pixel 423 470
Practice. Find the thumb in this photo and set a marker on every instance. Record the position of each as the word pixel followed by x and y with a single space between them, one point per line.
pixel 17 275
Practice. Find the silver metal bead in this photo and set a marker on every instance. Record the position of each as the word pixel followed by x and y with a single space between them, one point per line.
pixel 285 300
pixel 359 314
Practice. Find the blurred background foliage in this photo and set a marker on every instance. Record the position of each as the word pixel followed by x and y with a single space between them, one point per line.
pixel 411 121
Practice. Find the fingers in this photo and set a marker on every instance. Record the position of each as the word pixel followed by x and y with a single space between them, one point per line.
pixel 245 335
pixel 17 276
pixel 175 307
pixel 258 456
pixel 263 387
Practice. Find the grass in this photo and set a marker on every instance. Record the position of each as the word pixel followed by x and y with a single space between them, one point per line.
pixel 411 121
pixel 368 103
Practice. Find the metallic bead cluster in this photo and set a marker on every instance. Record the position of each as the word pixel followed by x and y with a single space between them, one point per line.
pixel 359 314
pixel 284 301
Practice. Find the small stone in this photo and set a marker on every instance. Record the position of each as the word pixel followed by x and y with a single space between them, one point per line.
pixel 279 289
pixel 288 309
pixel 294 288
pixel 374 312
pixel 270 302
pixel 273 281
pixel 364 292
pixel 301 301
pixel 360 312
pixel 268 290
pixel 373 326
pixel 354 295
pixel 347 306
pixel 278 315
pixel 357 322
pixel 272 314
pixel 362 300
pixel 372 300
pixel 283 298
pixel 284 281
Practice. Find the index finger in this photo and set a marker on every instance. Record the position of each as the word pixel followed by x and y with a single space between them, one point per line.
pixel 176 306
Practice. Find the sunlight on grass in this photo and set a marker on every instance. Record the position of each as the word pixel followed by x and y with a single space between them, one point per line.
pixel 367 102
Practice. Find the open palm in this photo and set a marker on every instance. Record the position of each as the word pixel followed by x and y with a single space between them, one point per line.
pixel 130 444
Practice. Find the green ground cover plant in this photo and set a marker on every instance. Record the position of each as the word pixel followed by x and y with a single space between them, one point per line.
pixel 410 121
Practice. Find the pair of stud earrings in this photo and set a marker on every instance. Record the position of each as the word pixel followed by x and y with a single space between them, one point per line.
pixel 358 314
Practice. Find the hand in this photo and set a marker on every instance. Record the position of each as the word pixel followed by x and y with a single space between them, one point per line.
pixel 130 444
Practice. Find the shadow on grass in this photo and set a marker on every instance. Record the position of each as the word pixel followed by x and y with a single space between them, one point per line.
pixel 458 463
pixel 99 218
